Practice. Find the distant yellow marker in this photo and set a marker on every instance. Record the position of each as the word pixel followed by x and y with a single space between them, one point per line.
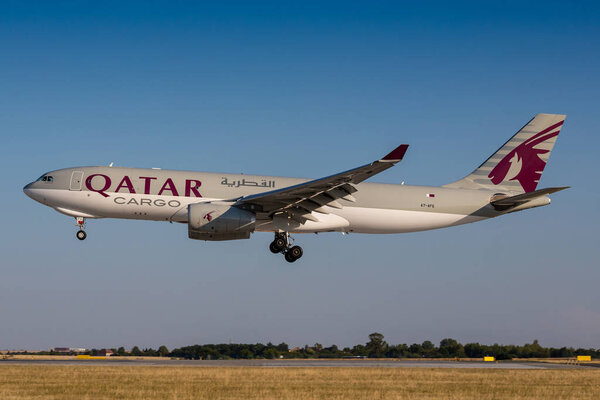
pixel 88 357
pixel 489 359
pixel 584 358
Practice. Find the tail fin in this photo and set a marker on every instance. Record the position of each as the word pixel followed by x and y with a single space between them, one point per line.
pixel 518 165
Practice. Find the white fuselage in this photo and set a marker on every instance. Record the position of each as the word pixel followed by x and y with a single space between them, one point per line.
pixel 379 208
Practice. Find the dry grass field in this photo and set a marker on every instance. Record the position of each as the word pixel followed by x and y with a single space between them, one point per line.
pixel 157 382
pixel 72 358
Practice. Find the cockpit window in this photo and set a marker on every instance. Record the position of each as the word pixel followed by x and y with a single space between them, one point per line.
pixel 46 178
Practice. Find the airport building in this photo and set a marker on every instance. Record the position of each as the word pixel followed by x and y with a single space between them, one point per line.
pixel 67 350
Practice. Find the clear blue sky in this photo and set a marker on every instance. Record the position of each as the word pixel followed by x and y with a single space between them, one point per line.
pixel 305 89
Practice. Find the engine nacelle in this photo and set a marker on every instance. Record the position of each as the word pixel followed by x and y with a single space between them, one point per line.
pixel 219 221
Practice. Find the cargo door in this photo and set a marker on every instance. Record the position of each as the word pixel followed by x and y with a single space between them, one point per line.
pixel 76 179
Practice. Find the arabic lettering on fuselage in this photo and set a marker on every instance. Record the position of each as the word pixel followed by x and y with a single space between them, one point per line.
pixel 244 182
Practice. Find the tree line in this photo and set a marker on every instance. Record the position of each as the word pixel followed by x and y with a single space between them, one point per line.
pixel 376 347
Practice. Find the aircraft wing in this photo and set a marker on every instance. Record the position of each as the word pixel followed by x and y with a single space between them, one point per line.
pixel 298 201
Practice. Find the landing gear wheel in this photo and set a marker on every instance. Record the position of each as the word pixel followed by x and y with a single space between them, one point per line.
pixel 296 252
pixel 289 258
pixel 274 248
pixel 81 235
pixel 280 243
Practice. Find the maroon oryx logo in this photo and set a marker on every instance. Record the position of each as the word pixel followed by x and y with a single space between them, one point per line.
pixel 208 217
pixel 524 163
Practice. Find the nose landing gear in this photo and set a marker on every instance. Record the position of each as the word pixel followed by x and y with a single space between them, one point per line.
pixel 283 244
pixel 81 235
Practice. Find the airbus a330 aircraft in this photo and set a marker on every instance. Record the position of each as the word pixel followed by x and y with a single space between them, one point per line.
pixel 231 206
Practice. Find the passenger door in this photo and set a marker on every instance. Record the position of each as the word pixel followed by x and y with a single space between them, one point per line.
pixel 76 179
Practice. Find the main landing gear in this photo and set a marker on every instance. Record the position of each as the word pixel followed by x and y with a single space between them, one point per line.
pixel 81 235
pixel 283 244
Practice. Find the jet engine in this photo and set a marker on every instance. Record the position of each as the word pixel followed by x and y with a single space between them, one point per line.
pixel 217 220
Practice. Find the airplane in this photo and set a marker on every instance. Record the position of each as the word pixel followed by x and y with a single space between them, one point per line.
pixel 217 206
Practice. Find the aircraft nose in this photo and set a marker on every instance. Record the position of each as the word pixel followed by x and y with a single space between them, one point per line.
pixel 27 189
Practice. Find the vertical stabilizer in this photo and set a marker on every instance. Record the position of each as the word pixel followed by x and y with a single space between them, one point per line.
pixel 518 165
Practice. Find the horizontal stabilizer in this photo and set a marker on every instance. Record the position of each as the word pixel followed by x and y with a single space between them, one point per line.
pixel 512 201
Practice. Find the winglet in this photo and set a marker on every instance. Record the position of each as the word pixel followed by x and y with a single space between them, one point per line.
pixel 397 154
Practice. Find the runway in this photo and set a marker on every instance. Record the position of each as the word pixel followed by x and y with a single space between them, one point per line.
pixel 304 363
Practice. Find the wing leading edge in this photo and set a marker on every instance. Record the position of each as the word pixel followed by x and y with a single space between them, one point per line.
pixel 299 201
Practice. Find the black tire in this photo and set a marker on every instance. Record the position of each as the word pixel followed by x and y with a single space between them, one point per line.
pixel 296 252
pixel 274 249
pixel 81 235
pixel 289 257
pixel 279 242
